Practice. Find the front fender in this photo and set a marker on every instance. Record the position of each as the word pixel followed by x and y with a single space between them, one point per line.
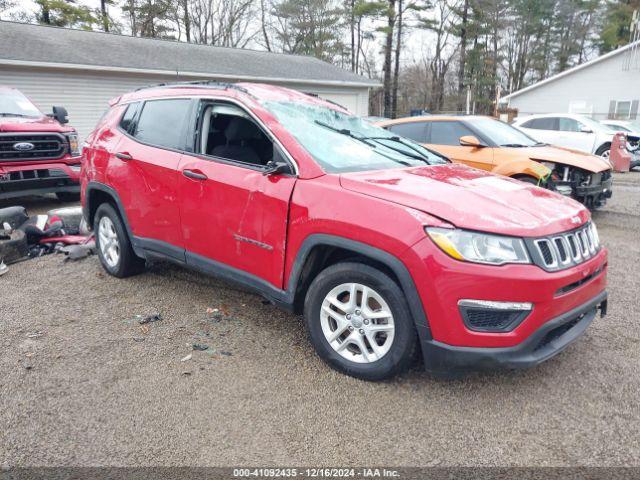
pixel 528 167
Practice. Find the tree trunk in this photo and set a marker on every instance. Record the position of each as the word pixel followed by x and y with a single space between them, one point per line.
pixel 463 56
pixel 391 14
pixel 263 20
pixel 352 26
pixel 186 20
pixel 105 16
pixel 396 72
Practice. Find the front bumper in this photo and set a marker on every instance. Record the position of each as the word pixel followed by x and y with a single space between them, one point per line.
pixel 38 179
pixel 546 342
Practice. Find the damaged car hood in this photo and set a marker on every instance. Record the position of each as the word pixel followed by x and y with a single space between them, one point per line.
pixel 472 199
pixel 565 156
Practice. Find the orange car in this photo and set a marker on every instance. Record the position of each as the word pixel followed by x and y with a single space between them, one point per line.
pixel 490 144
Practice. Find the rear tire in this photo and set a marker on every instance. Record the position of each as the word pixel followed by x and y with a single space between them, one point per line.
pixel 379 314
pixel 68 196
pixel 113 244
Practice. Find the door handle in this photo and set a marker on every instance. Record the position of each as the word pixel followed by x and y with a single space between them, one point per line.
pixel 194 174
pixel 124 156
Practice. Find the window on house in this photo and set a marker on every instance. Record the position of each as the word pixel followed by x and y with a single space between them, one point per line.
pixel 623 110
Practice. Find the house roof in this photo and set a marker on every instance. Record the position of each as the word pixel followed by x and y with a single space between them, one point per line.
pixel 36 45
pixel 570 71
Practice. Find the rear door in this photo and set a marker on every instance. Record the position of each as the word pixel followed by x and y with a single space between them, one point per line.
pixel 444 137
pixel 233 215
pixel 144 170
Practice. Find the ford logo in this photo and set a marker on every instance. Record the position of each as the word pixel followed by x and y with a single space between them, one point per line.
pixel 23 146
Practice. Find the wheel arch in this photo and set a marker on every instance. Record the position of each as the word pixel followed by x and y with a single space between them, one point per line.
pixel 98 193
pixel 319 251
pixel 519 168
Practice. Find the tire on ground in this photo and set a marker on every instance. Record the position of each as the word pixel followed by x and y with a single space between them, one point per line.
pixel 405 342
pixel 129 263
pixel 603 148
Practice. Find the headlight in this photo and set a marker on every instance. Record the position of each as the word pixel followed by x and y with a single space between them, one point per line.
pixel 479 247
pixel 74 150
pixel 550 165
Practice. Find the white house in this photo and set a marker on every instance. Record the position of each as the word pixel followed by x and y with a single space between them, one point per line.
pixel 82 70
pixel 605 87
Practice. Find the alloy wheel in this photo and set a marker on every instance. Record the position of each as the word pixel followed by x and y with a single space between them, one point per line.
pixel 109 244
pixel 357 322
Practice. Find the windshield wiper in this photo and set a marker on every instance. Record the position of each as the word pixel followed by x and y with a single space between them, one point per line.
pixel 349 133
pixel 514 145
pixel 7 114
pixel 399 140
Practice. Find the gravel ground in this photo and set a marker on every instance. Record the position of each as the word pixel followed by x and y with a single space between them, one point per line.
pixel 83 383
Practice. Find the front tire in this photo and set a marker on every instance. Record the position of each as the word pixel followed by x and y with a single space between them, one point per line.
pixel 113 245
pixel 604 151
pixel 359 322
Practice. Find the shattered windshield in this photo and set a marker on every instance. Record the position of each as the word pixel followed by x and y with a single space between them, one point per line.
pixel 15 104
pixel 341 142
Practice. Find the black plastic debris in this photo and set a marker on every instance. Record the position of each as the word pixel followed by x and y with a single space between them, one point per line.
pixel 150 318
pixel 77 252
pixel 200 347
pixel 226 354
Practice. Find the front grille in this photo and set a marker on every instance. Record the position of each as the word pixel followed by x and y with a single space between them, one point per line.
pixel 565 250
pixel 45 146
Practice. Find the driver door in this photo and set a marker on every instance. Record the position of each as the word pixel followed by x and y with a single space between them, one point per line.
pixel 233 215
pixel 444 137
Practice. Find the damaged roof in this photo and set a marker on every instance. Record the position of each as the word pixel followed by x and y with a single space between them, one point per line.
pixel 36 45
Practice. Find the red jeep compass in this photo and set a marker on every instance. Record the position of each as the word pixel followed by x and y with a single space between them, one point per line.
pixel 38 154
pixel 385 246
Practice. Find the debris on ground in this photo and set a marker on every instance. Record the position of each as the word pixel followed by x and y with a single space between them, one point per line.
pixel 23 236
pixel 3 268
pixel 139 339
pixel 187 358
pixel 156 317
pixel 226 354
pixel 78 252
pixel 200 347
pixel 35 334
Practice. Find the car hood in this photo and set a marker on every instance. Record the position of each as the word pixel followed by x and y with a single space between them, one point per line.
pixel 564 156
pixel 472 199
pixel 24 124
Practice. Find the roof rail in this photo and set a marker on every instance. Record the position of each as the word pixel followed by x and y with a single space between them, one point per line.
pixel 196 83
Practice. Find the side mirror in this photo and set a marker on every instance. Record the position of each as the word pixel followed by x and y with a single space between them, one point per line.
pixel 61 115
pixel 471 141
pixel 585 130
pixel 275 168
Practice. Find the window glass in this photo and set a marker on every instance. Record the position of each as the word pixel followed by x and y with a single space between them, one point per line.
pixel 127 118
pixel 415 131
pixel 14 103
pixel 161 122
pixel 623 109
pixel 231 134
pixel 569 125
pixel 502 134
pixel 341 142
pixel 448 133
pixel 547 123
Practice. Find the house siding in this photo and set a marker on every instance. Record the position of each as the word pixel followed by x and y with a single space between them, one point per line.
pixel 588 91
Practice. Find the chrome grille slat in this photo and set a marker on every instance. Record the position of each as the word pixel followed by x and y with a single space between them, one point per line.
pixel 567 249
pixel 46 146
